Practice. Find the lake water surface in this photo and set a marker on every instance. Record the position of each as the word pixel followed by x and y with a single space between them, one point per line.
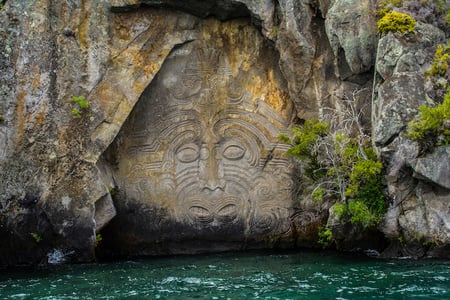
pixel 300 275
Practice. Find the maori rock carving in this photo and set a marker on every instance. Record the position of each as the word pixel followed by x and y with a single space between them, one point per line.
pixel 202 143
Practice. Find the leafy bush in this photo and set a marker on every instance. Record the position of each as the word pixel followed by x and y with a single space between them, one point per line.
pixel 432 127
pixel 304 142
pixel 434 12
pixel 341 168
pixel 441 61
pixel 325 236
pixel 396 22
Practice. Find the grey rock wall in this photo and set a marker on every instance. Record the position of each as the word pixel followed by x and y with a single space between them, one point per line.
pixel 419 196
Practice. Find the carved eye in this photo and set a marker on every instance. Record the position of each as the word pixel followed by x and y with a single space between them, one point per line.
pixel 227 210
pixel 188 153
pixel 199 211
pixel 234 152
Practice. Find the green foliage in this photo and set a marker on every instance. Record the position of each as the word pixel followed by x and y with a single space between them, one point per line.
pixel 341 168
pixel 98 239
pixel 396 22
pixel 340 209
pixel 304 138
pixel 447 18
pixel 304 141
pixel 36 236
pixel 360 213
pixel 80 105
pixel 325 236
pixel 275 30
pixel 2 120
pixel 385 6
pixel 401 240
pixel 431 128
pixel 113 191
pixel 441 61
pixel 2 6
pixel 317 194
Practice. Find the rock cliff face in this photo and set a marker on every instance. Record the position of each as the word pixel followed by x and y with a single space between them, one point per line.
pixel 178 151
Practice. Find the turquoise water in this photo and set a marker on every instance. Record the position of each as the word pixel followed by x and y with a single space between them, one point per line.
pixel 236 276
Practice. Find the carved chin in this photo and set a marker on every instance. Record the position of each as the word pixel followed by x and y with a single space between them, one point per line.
pixel 217 209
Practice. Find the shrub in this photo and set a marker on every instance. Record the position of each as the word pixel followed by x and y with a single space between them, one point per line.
pixel 304 143
pixel 360 213
pixel 396 22
pixel 441 61
pixel 340 169
pixel 432 126
pixel 325 236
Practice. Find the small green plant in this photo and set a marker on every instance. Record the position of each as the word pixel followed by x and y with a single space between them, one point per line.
pixel 80 105
pixel 317 194
pixel 441 61
pixel 36 236
pixel 275 30
pixel 113 191
pixel 325 236
pixel 98 239
pixel 2 6
pixel 396 22
pixel 2 120
pixel 432 126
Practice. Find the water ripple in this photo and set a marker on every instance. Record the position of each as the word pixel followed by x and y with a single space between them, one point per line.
pixel 236 276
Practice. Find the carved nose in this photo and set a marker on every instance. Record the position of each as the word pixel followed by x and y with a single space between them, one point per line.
pixel 210 169
pixel 214 184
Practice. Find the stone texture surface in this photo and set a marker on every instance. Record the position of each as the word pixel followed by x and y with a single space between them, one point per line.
pixel 417 182
pixel 276 63
pixel 350 30
pixel 435 167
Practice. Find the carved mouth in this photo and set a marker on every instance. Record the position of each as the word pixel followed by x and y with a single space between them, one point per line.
pixel 205 210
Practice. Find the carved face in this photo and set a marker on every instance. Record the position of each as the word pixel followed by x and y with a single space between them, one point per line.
pixel 202 143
